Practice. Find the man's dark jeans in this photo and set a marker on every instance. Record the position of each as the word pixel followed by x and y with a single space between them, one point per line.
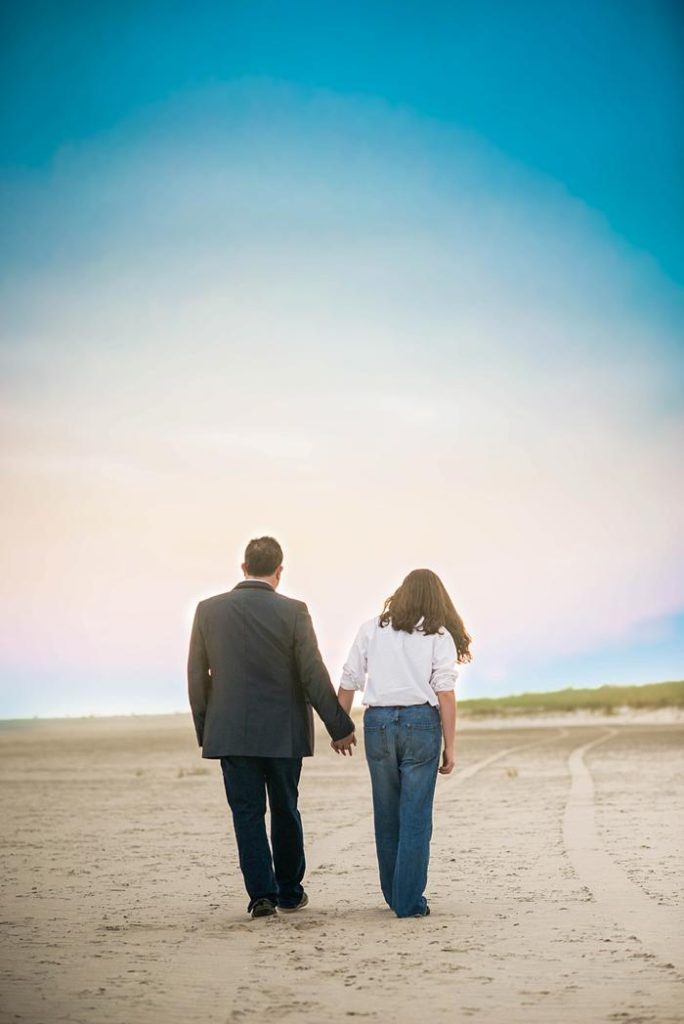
pixel 274 876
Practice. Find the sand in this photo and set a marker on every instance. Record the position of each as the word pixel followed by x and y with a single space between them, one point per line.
pixel 555 884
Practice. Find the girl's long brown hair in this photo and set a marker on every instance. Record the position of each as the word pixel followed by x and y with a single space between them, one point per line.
pixel 422 595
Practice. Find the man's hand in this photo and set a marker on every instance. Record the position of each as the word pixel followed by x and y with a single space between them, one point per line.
pixel 447 761
pixel 345 745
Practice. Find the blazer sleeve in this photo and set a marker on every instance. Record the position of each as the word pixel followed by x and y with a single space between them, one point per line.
pixel 199 677
pixel 315 680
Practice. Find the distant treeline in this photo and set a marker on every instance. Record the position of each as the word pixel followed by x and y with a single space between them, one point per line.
pixel 605 698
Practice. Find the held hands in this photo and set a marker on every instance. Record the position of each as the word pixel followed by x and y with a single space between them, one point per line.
pixel 447 766
pixel 345 745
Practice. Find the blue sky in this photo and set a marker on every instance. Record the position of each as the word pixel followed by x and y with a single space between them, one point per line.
pixel 588 93
pixel 398 283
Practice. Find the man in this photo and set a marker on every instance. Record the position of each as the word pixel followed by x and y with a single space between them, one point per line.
pixel 254 672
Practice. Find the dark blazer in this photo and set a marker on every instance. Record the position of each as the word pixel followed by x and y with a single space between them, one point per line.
pixel 254 671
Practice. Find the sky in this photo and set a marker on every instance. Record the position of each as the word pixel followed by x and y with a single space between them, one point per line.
pixel 400 284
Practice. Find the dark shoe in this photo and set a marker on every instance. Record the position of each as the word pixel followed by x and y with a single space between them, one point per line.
pixel 263 908
pixel 300 906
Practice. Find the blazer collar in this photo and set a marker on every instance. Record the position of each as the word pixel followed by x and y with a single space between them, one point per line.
pixel 256 584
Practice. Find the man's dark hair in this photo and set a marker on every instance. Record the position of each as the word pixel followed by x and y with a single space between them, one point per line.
pixel 263 555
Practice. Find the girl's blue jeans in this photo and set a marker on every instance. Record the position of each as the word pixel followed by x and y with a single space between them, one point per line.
pixel 403 748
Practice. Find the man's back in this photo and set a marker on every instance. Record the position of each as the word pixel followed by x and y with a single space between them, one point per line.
pixel 254 670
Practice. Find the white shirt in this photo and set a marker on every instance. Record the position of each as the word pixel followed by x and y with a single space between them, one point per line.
pixel 393 667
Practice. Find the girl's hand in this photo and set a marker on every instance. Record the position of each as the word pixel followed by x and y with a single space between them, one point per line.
pixel 447 762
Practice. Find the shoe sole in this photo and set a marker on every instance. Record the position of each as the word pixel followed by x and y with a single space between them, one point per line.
pixel 293 910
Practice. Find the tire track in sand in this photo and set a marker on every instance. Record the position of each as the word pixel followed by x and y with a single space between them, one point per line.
pixel 468 773
pixel 658 927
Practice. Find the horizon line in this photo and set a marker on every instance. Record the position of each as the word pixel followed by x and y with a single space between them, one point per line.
pixel 465 700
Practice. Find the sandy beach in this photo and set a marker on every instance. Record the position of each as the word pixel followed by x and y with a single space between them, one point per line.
pixel 555 884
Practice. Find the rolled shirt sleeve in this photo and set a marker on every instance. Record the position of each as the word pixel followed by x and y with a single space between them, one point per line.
pixel 356 665
pixel 444 657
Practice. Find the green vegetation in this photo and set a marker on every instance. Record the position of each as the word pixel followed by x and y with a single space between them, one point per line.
pixel 606 699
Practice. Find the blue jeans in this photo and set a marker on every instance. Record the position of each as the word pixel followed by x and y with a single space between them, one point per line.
pixel 403 747
pixel 273 876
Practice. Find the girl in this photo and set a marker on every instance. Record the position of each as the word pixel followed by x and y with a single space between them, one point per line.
pixel 404 662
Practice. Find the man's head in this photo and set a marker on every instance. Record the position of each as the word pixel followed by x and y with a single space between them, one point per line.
pixel 264 560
